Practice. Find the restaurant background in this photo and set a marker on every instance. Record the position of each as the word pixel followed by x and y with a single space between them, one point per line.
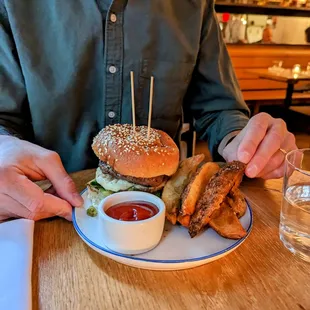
pixel 270 36
pixel 263 29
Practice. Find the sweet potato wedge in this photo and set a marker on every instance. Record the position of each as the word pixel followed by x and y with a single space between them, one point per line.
pixel 176 184
pixel 184 220
pixel 196 186
pixel 226 179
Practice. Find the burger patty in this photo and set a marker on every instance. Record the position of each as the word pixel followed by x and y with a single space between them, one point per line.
pixel 152 182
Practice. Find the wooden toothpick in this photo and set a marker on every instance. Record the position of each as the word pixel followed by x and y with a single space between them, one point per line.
pixel 132 81
pixel 150 107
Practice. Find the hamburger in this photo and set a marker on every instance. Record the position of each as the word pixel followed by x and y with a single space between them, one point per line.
pixel 129 161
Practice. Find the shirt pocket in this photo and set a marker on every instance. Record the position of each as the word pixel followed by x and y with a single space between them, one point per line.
pixel 171 81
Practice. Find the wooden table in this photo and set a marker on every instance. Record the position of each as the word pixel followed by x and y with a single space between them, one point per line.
pixel 289 79
pixel 260 274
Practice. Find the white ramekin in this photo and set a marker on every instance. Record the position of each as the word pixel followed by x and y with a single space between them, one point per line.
pixel 131 237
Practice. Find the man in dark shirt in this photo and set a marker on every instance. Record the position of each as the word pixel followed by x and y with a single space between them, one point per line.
pixel 64 75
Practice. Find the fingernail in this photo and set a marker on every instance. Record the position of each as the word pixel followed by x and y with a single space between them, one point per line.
pixel 251 171
pixel 78 200
pixel 244 157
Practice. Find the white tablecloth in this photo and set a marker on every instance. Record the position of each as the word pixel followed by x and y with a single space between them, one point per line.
pixel 16 243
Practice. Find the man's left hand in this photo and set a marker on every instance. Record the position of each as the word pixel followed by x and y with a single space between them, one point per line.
pixel 258 145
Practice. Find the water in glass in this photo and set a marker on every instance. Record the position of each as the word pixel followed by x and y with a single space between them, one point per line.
pixel 295 220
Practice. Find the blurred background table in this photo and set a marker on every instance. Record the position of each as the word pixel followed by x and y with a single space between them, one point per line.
pixel 290 79
pixel 262 94
pixel 260 274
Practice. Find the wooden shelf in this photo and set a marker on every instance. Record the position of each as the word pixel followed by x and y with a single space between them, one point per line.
pixel 224 7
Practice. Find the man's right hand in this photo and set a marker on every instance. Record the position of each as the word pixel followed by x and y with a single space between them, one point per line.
pixel 21 163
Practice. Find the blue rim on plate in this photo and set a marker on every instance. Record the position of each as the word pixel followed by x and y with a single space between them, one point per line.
pixel 159 261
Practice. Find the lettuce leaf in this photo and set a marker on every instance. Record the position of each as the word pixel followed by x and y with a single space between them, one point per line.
pixel 105 192
pixel 93 183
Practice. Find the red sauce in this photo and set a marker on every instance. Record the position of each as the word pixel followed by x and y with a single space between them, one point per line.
pixel 132 211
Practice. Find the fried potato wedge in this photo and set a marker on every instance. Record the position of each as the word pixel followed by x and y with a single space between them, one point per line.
pixel 237 202
pixel 196 186
pixel 226 179
pixel 184 220
pixel 176 184
pixel 225 222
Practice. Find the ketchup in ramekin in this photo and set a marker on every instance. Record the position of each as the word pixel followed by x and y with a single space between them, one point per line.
pixel 132 211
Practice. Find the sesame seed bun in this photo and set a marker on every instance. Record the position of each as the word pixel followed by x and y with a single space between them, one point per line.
pixel 133 154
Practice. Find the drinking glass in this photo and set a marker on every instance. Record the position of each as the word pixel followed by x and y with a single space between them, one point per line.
pixel 277 66
pixel 295 212
pixel 277 63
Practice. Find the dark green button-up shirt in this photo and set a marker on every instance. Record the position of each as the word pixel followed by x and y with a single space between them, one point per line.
pixel 65 71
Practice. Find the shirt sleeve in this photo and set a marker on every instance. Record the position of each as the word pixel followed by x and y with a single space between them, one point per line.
pixel 12 88
pixel 214 98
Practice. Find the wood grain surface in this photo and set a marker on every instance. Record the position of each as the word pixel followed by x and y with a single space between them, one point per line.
pixel 260 274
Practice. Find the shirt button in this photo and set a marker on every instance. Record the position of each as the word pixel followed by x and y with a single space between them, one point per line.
pixel 112 69
pixel 113 18
pixel 111 114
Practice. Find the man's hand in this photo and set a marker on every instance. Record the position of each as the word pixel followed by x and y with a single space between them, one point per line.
pixel 258 145
pixel 21 163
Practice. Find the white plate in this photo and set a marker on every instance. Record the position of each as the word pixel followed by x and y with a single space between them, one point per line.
pixel 176 249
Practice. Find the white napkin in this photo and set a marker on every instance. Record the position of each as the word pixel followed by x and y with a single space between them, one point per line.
pixel 16 242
